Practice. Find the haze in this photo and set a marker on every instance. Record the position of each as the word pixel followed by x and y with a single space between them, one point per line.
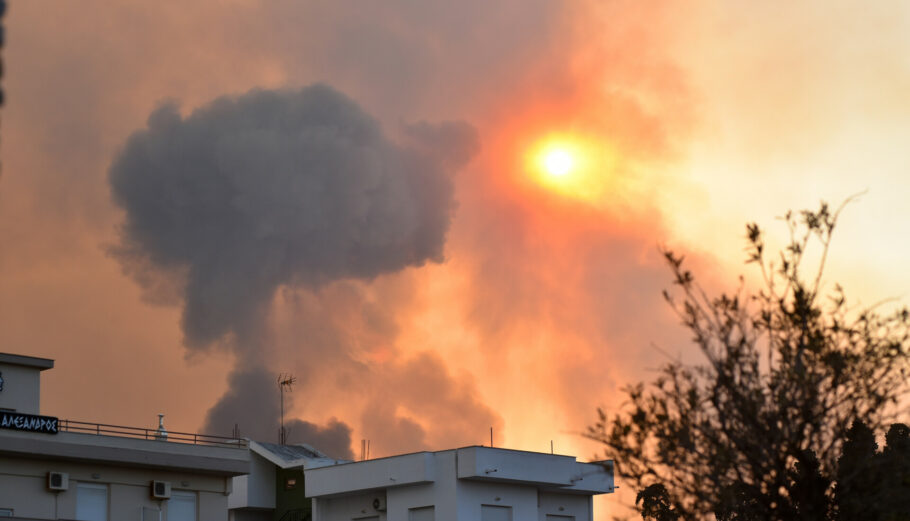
pixel 415 274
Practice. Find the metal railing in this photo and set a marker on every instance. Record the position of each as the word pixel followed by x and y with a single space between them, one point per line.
pixel 101 429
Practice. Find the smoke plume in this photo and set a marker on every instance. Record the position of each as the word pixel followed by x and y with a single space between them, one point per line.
pixel 295 189
pixel 280 187
pixel 252 405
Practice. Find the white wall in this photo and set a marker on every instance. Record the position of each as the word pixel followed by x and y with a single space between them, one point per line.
pixel 256 490
pixel 463 481
pixel 23 487
pixel 355 506
pixel 578 506
pixel 19 491
pixel 375 474
pixel 490 463
pixel 21 388
pixel 441 494
pixel 473 494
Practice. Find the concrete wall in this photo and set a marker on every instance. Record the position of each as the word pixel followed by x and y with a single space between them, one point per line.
pixel 574 506
pixel 472 495
pixel 256 490
pixel 460 484
pixel 347 508
pixel 21 388
pixel 23 487
pixel 380 473
pixel 505 465
pixel 442 494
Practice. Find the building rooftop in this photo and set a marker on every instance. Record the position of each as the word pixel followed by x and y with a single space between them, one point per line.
pixel 290 456
pixel 292 452
pixel 220 459
pixel 27 361
pixel 548 472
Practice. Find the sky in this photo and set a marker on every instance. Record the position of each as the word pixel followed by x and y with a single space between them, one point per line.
pixel 198 197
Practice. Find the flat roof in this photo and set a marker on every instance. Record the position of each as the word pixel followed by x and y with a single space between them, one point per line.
pixel 28 361
pixel 550 472
pixel 486 447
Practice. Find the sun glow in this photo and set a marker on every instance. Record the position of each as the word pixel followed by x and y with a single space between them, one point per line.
pixel 570 166
pixel 558 162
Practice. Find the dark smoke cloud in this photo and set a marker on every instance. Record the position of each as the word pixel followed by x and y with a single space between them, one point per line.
pixel 271 189
pixel 280 187
pixel 252 404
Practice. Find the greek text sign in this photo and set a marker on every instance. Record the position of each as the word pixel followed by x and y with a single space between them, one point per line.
pixel 28 422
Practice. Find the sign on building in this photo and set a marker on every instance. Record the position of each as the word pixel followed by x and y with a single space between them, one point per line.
pixel 28 422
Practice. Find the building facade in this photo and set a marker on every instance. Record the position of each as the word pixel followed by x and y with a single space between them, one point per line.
pixel 53 469
pixel 466 484
pixel 274 490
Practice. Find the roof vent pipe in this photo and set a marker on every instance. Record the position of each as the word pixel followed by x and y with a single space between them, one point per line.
pixel 161 433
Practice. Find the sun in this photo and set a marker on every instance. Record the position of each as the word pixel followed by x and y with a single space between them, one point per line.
pixel 558 162
pixel 571 165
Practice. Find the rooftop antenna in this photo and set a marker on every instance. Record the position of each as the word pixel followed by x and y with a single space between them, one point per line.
pixel 285 381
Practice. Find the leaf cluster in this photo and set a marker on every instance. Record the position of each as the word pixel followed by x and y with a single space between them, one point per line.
pixel 787 371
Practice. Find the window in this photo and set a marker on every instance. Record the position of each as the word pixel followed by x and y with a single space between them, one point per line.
pixel 6 512
pixel 181 506
pixel 556 517
pixel 495 513
pixel 91 502
pixel 422 514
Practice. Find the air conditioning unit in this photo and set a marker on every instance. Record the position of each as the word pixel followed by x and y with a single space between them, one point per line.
pixel 161 490
pixel 379 504
pixel 58 481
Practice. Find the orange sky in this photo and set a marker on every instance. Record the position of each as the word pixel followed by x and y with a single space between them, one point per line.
pixel 705 116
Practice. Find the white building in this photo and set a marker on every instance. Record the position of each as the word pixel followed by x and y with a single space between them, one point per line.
pixel 67 470
pixel 274 488
pixel 467 484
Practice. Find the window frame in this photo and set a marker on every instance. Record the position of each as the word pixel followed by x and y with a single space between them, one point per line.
pixel 184 494
pixel 95 486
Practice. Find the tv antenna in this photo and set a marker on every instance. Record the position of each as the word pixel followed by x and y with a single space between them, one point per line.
pixel 285 382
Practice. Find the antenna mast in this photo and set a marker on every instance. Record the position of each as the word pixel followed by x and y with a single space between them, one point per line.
pixel 285 381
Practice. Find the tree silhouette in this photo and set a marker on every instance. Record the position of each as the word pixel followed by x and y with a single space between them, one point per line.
pixel 894 473
pixel 756 430
pixel 655 504
pixel 858 493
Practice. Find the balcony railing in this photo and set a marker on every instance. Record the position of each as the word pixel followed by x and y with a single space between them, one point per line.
pixel 101 429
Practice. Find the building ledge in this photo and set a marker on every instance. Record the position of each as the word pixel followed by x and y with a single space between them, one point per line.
pixel 383 473
pixel 27 361
pixel 547 471
pixel 124 451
